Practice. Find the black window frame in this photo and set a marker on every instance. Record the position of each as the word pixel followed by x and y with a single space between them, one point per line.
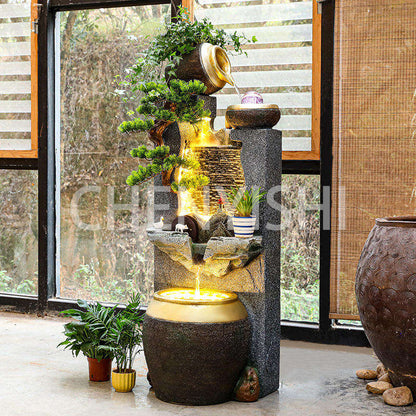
pixel 326 331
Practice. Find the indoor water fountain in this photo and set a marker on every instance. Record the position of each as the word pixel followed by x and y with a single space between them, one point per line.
pixel 217 303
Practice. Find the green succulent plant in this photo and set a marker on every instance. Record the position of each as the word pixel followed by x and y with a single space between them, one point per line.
pixel 244 201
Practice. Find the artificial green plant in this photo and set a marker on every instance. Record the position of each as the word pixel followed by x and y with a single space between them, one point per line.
pixel 245 200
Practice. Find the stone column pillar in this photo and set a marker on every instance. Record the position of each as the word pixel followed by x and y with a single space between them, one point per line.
pixel 261 158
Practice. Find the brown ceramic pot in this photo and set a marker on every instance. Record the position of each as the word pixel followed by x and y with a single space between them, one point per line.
pixel 195 351
pixel 386 294
pixel 208 64
pixel 99 370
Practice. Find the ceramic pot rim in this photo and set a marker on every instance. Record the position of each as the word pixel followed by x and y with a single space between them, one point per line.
pixel 401 221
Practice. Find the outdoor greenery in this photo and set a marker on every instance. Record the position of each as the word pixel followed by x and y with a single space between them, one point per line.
pixel 245 200
pixel 300 247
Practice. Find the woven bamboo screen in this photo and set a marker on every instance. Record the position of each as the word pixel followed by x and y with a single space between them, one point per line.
pixel 374 148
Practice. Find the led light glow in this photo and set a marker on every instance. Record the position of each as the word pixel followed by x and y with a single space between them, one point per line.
pixel 187 295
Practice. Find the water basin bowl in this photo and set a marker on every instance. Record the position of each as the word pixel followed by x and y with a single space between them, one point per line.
pixel 195 346
pixel 261 116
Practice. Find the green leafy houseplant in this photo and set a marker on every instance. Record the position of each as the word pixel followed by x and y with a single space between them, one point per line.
pixel 88 335
pixel 124 338
pixel 181 37
pixel 123 341
pixel 244 201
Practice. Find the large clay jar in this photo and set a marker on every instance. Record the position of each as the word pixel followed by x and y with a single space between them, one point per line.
pixel 386 294
pixel 208 64
pixel 195 349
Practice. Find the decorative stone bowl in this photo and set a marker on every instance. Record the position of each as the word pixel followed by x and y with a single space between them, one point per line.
pixel 386 294
pixel 262 116
pixel 195 349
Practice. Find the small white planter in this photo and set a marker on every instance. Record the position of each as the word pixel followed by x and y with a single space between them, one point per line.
pixel 244 226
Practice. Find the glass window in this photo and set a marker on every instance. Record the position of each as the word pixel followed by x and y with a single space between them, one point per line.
pixel 104 252
pixel 18 231
pixel 278 65
pixel 300 247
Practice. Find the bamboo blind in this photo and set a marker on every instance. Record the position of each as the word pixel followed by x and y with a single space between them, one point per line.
pixel 374 148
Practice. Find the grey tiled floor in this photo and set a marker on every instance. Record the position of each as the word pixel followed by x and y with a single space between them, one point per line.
pixel 38 379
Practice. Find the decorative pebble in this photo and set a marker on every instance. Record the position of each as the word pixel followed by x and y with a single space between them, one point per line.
pixel 385 377
pixel 378 387
pixel 398 396
pixel 381 370
pixel 366 374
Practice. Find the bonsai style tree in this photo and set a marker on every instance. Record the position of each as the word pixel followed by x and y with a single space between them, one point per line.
pixel 164 103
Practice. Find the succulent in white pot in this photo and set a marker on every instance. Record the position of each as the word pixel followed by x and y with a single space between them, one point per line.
pixel 244 202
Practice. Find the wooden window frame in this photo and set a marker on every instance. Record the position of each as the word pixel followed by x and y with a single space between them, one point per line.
pixel 33 152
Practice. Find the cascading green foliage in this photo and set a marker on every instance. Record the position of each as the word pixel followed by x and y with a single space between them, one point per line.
pixel 184 105
pixel 88 333
pixel 181 37
pixel 163 161
pixel 244 201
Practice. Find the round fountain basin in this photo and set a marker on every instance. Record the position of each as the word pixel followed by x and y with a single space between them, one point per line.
pixel 254 116
pixel 195 347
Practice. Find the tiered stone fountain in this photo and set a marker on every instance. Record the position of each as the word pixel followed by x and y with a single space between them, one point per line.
pixel 196 351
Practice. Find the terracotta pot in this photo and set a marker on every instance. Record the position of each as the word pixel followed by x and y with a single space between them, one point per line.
pixel 386 294
pixel 99 370
pixel 208 64
pixel 123 382
pixel 195 350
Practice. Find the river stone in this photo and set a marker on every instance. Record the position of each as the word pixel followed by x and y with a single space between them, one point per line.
pixel 378 387
pixel 216 226
pixel 381 370
pixel 398 396
pixel 366 374
pixel 385 377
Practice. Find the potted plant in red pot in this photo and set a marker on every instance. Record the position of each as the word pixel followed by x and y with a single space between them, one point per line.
pixel 87 334
pixel 244 202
